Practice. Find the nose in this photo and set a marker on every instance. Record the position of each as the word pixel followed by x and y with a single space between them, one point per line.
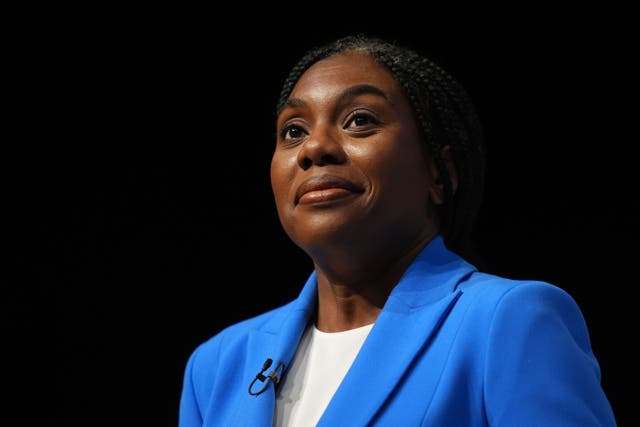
pixel 321 148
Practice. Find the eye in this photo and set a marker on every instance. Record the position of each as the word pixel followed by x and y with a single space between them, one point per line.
pixel 291 132
pixel 360 119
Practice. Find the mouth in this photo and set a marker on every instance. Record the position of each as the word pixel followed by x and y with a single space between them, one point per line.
pixel 325 188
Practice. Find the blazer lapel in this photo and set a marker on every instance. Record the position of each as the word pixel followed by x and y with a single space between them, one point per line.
pixel 413 314
pixel 277 340
pixel 256 410
pixel 385 356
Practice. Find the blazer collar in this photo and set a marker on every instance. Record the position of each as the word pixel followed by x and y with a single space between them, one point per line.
pixel 434 274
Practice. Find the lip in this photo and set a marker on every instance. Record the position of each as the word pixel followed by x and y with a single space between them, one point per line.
pixel 325 188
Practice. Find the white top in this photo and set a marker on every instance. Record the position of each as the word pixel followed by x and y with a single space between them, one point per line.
pixel 318 367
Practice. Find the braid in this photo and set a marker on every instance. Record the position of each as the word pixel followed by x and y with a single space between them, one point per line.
pixel 446 116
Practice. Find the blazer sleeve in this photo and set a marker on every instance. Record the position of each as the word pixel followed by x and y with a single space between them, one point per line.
pixel 189 412
pixel 540 369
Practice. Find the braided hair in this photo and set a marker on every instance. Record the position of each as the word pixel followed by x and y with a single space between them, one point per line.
pixel 445 115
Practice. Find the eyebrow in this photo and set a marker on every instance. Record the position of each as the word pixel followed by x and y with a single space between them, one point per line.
pixel 350 92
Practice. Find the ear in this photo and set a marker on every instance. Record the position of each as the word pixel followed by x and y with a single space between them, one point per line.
pixel 436 191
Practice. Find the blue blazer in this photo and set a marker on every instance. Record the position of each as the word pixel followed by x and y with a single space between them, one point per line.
pixel 451 347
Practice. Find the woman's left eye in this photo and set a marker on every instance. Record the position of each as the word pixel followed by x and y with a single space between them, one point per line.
pixel 360 119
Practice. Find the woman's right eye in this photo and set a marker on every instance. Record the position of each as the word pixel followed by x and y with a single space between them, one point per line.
pixel 292 132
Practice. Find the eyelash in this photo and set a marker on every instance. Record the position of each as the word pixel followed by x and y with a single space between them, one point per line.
pixel 360 114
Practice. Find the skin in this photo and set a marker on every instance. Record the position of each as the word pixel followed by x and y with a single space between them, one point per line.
pixel 353 184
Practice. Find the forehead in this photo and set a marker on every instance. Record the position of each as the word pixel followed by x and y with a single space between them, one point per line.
pixel 335 73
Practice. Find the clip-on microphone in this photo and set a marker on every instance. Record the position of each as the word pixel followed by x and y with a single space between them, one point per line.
pixel 273 376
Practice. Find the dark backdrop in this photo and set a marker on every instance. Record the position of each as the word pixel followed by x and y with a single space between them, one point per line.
pixel 144 213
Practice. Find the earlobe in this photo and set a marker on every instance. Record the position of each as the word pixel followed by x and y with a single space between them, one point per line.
pixel 436 190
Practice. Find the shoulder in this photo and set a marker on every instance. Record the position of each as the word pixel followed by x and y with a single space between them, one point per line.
pixel 511 303
pixel 515 312
pixel 239 331
pixel 202 367
pixel 236 335
pixel 500 292
pixel 534 350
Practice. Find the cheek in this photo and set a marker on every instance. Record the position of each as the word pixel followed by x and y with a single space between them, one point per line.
pixel 398 171
pixel 281 177
pixel 394 159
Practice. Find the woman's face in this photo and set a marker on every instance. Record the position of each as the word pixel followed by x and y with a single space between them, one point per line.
pixel 349 165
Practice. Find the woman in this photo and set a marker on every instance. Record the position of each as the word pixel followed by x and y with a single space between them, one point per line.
pixel 377 175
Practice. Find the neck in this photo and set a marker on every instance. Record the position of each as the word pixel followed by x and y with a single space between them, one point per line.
pixel 353 286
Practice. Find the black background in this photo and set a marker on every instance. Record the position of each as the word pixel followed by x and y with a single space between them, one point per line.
pixel 143 209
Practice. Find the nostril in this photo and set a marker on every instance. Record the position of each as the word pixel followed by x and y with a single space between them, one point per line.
pixel 306 163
